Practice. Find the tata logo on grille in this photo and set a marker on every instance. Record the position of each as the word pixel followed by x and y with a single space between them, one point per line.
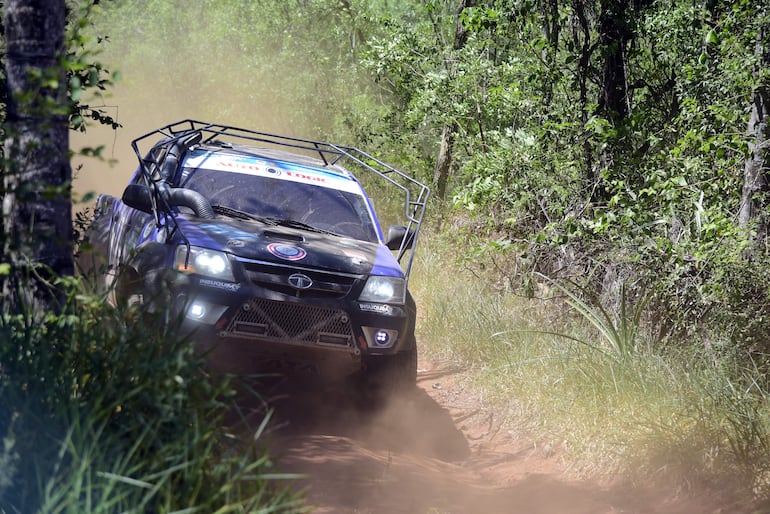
pixel 300 281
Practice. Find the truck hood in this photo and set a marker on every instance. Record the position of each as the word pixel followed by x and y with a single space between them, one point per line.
pixel 284 245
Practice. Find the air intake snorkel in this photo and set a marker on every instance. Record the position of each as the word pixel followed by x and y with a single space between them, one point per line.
pixel 179 196
pixel 175 153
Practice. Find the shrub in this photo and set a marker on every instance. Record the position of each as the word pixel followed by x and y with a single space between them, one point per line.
pixel 107 409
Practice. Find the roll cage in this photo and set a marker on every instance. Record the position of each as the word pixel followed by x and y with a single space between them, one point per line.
pixel 161 151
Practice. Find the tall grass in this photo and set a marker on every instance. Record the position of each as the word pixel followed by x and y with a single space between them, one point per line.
pixel 107 410
pixel 586 381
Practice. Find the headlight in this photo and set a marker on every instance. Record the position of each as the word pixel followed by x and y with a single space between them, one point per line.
pixel 203 262
pixel 384 290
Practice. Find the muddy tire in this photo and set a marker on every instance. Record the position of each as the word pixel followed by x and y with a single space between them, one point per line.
pixel 387 376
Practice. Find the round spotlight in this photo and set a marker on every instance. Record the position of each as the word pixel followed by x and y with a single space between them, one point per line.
pixel 197 311
pixel 381 337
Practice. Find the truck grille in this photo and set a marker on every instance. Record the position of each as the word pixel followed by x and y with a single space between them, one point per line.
pixel 292 323
pixel 276 278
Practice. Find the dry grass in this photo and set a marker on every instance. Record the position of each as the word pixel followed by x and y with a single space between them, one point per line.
pixel 613 405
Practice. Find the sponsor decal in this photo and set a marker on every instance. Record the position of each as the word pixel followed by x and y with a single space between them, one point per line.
pixel 261 167
pixel 287 252
pixel 379 308
pixel 326 177
pixel 236 243
pixel 218 284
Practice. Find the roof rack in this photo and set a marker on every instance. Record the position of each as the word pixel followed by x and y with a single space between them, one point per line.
pixel 198 132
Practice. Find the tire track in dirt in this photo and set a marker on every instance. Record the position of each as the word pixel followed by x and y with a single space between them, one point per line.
pixel 434 452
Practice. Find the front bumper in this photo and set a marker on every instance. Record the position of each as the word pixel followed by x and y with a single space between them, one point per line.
pixel 268 320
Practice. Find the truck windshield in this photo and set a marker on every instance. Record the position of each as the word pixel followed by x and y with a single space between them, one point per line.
pixel 340 212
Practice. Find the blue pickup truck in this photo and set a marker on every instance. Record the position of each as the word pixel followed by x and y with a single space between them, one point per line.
pixel 267 250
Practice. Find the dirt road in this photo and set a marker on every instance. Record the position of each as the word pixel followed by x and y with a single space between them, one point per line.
pixel 437 453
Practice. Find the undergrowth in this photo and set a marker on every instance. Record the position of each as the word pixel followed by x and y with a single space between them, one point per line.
pixel 590 382
pixel 106 409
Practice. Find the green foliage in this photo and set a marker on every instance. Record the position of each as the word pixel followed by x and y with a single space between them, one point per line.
pixel 619 331
pixel 571 191
pixel 107 410
pixel 86 76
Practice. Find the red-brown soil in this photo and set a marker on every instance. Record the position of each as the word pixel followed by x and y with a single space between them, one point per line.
pixel 437 452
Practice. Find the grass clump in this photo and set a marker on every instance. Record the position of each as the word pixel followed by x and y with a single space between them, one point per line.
pixel 107 409
pixel 590 381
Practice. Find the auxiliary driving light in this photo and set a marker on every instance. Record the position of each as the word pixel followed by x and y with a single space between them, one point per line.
pixel 380 337
pixel 196 311
pixel 204 312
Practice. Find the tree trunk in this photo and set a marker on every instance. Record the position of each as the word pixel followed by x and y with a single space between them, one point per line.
pixel 446 147
pixel 581 38
pixel 37 207
pixel 756 167
pixel 755 178
pixel 614 35
pixel 444 161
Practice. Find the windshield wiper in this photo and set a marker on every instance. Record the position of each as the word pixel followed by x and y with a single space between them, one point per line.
pixel 235 213
pixel 268 220
pixel 283 222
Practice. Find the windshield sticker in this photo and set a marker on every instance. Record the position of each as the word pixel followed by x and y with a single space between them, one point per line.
pixel 281 170
pixel 287 252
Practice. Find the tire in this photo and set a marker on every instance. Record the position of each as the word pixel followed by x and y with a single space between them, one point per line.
pixel 390 375
pixel 123 287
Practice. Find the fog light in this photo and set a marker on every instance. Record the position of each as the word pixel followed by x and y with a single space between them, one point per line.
pixel 380 337
pixel 196 311
pixel 204 312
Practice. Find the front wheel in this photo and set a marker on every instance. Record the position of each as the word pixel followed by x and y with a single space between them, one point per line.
pixel 389 375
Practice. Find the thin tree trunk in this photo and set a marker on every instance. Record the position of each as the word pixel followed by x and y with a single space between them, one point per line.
pixel 582 39
pixel 37 175
pixel 446 147
pixel 614 35
pixel 756 168
pixel 444 160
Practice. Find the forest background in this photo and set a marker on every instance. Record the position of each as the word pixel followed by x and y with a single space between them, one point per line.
pixel 600 184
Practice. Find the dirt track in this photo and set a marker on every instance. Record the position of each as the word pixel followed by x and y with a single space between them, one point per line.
pixel 436 453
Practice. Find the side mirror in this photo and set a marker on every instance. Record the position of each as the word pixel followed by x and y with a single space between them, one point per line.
pixel 396 235
pixel 139 197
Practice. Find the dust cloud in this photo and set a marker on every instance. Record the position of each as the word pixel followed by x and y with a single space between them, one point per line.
pixel 137 115
pixel 432 451
pixel 149 97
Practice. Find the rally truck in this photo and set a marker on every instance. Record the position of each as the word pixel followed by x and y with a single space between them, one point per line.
pixel 267 251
